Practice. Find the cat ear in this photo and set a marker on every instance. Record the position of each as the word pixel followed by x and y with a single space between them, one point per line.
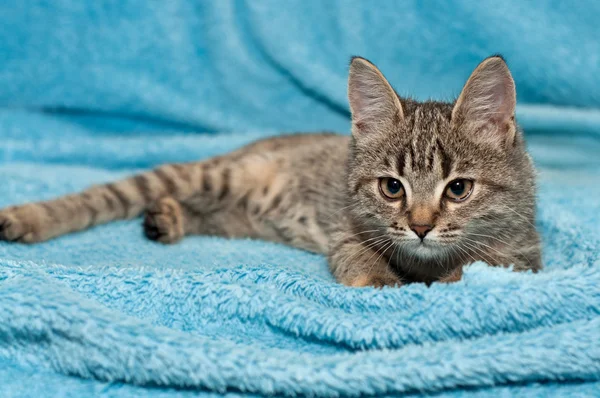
pixel 373 101
pixel 487 103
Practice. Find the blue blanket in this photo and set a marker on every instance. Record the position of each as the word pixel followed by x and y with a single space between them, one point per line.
pixel 94 91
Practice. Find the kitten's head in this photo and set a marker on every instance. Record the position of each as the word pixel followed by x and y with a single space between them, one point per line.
pixel 445 183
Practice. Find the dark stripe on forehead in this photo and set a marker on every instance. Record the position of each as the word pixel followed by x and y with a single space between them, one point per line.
pixel 431 149
pixel 413 158
pixel 386 162
pixel 359 184
pixel 494 186
pixel 401 162
pixel 430 158
pixel 445 160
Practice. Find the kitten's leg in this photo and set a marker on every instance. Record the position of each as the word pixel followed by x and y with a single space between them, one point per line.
pixel 453 276
pixel 236 195
pixel 242 194
pixel 354 263
pixel 529 256
pixel 125 199
pixel 168 221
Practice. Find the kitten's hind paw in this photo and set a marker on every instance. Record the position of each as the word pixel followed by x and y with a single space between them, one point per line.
pixel 164 221
pixel 19 224
pixel 7 227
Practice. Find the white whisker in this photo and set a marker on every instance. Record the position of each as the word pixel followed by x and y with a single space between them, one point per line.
pixel 486 256
pixel 377 259
pixel 329 217
pixel 380 239
pixel 518 214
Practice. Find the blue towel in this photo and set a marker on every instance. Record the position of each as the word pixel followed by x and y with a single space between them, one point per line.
pixel 94 91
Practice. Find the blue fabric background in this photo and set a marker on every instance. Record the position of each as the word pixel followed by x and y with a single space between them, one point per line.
pixel 93 91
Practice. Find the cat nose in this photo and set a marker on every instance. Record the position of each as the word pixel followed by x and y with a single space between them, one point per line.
pixel 421 230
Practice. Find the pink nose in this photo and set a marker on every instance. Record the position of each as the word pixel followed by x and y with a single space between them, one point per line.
pixel 421 230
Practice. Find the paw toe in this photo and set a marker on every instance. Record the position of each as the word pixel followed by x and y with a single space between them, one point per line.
pixel 11 229
pixel 162 223
pixel 150 229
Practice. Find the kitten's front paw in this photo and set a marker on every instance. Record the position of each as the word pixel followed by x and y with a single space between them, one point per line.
pixel 453 276
pixel 376 280
pixel 21 224
pixel 164 221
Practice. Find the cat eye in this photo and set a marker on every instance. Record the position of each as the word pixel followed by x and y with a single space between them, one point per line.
pixel 459 190
pixel 391 188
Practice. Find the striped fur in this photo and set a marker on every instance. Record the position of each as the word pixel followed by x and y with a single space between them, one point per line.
pixel 319 192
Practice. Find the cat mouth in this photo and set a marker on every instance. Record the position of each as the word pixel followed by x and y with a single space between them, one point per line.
pixel 423 248
pixel 423 243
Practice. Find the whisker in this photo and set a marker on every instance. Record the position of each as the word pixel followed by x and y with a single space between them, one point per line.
pixel 397 254
pixel 518 214
pixel 329 217
pixel 447 237
pixel 370 239
pixel 377 259
pixel 501 241
pixel 497 251
pixel 483 244
pixel 486 256
pixel 459 247
pixel 467 250
pixel 489 236
pixel 391 255
pixel 411 261
pixel 366 247
pixel 372 255
pixel 360 233
pixel 490 247
pixel 438 263
pixel 380 239
pixel 372 247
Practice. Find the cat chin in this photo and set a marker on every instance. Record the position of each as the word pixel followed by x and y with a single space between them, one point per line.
pixel 425 250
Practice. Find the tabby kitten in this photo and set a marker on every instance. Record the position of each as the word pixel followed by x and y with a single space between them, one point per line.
pixel 419 190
